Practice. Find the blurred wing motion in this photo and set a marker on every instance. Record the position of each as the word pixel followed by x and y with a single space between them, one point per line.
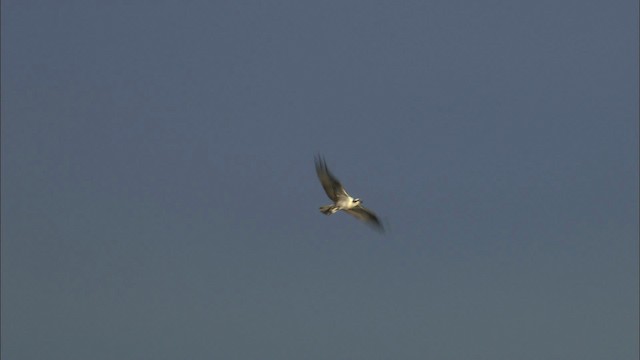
pixel 330 183
pixel 366 215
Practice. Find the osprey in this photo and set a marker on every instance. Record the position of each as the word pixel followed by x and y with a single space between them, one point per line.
pixel 342 200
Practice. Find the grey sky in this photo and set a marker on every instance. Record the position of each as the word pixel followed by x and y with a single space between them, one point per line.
pixel 159 198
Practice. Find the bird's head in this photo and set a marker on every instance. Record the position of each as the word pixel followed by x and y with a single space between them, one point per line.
pixel 357 201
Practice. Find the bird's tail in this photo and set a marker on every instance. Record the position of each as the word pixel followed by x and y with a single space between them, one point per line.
pixel 328 209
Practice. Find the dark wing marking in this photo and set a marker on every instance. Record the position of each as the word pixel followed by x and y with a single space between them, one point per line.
pixel 366 215
pixel 330 183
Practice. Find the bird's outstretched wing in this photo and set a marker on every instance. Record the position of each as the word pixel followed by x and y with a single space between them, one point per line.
pixel 330 184
pixel 367 216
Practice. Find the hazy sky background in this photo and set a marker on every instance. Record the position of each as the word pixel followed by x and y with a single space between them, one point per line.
pixel 159 199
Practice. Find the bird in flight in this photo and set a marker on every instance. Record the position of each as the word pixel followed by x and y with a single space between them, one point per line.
pixel 342 200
